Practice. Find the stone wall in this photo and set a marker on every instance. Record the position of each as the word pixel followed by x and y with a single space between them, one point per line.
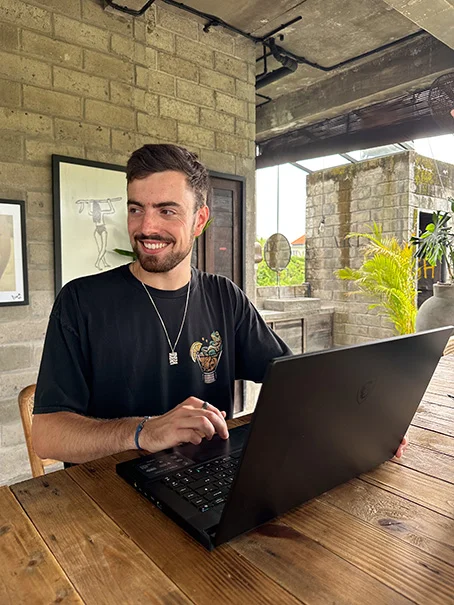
pixel 431 183
pixel 80 81
pixel 349 198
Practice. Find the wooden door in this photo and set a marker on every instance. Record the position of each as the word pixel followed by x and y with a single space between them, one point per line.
pixel 220 249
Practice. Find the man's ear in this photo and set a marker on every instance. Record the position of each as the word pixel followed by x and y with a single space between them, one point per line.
pixel 203 214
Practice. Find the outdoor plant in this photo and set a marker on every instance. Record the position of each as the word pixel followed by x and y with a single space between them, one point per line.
pixel 388 275
pixel 436 244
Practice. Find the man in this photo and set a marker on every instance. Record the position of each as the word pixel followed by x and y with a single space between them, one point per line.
pixel 151 339
pixel 145 356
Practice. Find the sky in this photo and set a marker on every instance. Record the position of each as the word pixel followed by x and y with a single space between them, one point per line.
pixel 291 193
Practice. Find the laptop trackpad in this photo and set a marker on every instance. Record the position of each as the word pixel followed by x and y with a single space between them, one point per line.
pixel 208 450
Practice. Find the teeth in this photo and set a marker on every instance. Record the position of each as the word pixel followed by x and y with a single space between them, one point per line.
pixel 154 246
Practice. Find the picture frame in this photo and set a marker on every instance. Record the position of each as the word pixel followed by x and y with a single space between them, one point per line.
pixel 13 253
pixel 90 217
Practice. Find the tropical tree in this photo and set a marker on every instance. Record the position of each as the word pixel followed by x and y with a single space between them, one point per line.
pixel 388 275
pixel 293 275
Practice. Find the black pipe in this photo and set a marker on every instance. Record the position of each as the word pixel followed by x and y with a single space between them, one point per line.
pixel 212 20
pixel 130 11
pixel 274 75
pixel 264 78
pixel 303 60
pixel 288 66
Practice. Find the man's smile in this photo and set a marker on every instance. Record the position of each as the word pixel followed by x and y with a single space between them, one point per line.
pixel 154 246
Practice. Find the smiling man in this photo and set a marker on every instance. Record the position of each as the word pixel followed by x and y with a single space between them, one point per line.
pixel 146 355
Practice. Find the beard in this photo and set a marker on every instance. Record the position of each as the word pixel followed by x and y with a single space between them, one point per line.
pixel 155 264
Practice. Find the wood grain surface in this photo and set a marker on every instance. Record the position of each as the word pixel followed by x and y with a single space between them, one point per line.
pixel 385 538
pixel 28 571
pixel 103 564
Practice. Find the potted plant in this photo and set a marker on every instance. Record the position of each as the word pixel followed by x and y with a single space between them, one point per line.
pixel 436 245
pixel 387 275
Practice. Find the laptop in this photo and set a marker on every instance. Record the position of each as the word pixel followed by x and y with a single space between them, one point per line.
pixel 321 419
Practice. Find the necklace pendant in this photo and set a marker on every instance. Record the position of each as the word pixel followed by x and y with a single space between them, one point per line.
pixel 173 358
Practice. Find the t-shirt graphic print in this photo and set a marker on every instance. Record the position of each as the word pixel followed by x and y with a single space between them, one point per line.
pixel 207 354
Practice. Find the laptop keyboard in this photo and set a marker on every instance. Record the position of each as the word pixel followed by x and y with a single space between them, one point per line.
pixel 205 485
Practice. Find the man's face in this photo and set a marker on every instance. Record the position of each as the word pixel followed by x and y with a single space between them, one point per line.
pixel 162 220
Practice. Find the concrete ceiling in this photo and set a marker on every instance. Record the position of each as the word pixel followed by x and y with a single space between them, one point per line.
pixel 351 55
pixel 418 36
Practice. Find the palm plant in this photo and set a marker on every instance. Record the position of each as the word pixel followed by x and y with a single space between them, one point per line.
pixel 436 244
pixel 388 274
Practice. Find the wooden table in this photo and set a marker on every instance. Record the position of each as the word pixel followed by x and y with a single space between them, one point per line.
pixel 84 536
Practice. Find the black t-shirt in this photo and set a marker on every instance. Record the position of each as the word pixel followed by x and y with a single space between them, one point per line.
pixel 106 354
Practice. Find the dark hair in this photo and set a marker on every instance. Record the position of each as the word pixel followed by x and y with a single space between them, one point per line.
pixel 150 159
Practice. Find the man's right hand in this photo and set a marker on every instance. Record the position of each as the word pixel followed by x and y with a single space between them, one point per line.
pixel 189 422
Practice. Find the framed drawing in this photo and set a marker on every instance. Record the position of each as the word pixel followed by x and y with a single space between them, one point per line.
pixel 89 217
pixel 13 253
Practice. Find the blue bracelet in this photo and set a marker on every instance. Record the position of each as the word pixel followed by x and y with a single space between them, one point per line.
pixel 139 430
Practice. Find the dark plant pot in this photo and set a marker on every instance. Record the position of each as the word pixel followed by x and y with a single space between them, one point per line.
pixel 438 310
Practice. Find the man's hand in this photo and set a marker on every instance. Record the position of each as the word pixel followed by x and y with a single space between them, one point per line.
pixel 189 422
pixel 402 447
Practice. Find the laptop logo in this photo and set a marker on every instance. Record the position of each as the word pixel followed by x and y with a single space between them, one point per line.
pixel 365 391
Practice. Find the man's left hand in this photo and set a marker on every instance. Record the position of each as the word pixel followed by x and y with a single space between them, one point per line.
pixel 402 447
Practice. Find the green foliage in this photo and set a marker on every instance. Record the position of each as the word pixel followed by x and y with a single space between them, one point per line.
pixel 129 253
pixel 293 275
pixel 436 244
pixel 388 274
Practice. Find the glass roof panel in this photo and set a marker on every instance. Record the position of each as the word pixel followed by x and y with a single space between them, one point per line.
pixel 375 152
pixel 329 161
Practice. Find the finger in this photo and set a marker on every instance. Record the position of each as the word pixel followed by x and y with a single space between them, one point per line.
pixel 206 405
pixel 189 436
pixel 200 424
pixel 218 422
pixel 400 450
pixel 217 418
pixel 222 415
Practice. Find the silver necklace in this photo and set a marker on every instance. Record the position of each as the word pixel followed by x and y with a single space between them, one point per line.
pixel 173 355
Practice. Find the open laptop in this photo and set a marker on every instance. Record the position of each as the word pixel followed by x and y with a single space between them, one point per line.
pixel 321 419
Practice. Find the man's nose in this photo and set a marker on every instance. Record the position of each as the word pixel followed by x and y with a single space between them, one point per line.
pixel 150 222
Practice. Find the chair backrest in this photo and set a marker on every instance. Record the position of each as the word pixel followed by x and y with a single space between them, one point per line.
pixel 449 348
pixel 26 401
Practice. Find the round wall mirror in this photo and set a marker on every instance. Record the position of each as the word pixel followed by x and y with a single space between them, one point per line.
pixel 277 252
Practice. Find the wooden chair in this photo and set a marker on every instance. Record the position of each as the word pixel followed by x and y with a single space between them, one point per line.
pixel 449 348
pixel 26 401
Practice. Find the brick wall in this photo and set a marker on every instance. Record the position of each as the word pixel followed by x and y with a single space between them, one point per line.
pixel 80 81
pixel 349 198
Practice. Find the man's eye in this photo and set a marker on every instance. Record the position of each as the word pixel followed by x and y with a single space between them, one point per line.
pixel 167 212
pixel 133 210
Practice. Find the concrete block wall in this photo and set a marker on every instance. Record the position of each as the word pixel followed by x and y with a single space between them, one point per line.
pixel 348 199
pixel 431 184
pixel 81 81
pixel 387 190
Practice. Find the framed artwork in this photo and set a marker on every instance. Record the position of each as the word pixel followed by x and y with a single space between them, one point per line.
pixel 90 217
pixel 13 253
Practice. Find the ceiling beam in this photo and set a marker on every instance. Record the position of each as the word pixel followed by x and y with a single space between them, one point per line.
pixel 407 68
pixel 435 16
pixel 292 148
